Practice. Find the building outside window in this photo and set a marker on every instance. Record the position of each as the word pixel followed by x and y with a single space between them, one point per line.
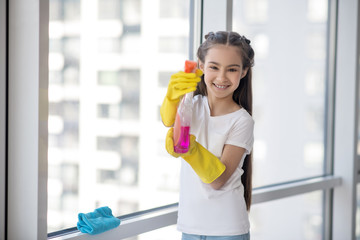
pixel 106 62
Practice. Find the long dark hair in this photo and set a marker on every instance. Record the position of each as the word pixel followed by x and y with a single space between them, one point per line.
pixel 242 95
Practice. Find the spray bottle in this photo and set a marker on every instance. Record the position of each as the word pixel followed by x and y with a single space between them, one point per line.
pixel 183 116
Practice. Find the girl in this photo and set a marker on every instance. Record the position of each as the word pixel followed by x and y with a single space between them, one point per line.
pixel 215 184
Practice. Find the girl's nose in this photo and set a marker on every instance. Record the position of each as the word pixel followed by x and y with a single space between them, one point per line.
pixel 221 76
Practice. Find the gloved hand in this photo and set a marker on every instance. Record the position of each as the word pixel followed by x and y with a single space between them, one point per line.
pixel 206 165
pixel 180 84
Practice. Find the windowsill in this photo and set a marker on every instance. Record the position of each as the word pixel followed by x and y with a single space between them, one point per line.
pixel 131 225
pixel 152 219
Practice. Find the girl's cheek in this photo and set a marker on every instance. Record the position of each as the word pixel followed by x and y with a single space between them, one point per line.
pixel 207 80
pixel 210 73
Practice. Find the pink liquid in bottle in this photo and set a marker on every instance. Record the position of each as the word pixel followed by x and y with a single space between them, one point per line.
pixel 183 117
pixel 184 140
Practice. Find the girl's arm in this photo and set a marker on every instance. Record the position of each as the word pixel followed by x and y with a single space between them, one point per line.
pixel 231 158
pixel 208 167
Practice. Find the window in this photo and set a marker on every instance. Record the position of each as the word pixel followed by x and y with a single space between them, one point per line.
pixel 289 82
pixel 24 89
pixel 289 109
pixel 305 211
pixel 106 85
pixel 22 198
pixel 169 232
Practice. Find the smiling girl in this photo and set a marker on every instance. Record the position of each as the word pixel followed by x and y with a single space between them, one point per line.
pixel 215 184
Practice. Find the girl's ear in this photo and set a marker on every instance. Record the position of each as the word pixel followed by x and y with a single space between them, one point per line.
pixel 201 65
pixel 244 72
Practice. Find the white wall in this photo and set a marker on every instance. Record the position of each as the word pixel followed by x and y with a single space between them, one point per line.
pixel 27 115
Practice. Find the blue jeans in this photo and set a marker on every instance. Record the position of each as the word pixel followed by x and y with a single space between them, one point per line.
pixel 186 236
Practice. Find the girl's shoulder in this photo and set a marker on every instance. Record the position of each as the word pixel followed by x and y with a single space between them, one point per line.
pixel 244 118
pixel 245 114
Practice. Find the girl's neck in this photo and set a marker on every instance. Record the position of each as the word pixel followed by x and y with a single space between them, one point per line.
pixel 219 107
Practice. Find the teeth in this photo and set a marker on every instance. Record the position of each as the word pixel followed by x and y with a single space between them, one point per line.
pixel 219 86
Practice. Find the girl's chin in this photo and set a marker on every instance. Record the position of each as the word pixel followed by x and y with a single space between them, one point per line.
pixel 219 94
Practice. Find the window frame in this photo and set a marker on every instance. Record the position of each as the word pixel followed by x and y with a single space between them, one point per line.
pixel 346 107
pixel 339 182
pixel 3 87
pixel 329 114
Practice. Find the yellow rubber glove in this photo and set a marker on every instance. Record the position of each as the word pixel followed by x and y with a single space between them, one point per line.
pixel 206 165
pixel 180 84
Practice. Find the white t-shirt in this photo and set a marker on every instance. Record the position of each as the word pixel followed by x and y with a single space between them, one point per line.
pixel 203 210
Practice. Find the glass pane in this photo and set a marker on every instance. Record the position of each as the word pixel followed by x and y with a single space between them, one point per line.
pixel 303 222
pixel 165 233
pixel 108 73
pixel 289 79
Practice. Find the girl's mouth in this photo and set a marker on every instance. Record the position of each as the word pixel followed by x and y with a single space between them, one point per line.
pixel 221 86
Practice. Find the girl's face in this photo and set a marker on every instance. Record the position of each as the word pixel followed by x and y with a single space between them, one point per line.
pixel 223 70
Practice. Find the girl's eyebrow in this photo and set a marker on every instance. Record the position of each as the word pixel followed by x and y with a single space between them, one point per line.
pixel 231 65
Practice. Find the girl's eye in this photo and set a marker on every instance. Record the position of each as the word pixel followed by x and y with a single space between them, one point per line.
pixel 213 67
pixel 233 70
